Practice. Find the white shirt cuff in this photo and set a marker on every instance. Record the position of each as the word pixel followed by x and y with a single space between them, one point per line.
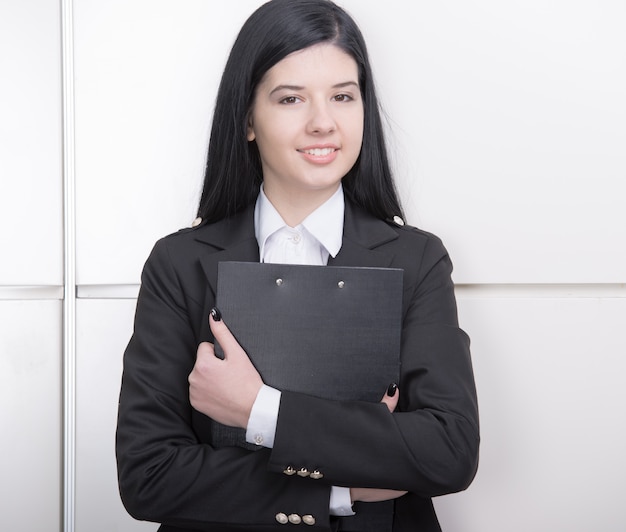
pixel 261 427
pixel 340 501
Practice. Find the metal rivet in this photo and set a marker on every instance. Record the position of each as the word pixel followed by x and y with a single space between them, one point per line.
pixel 341 284
pixel 279 282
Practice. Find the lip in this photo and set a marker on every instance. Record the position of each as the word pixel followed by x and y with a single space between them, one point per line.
pixel 320 153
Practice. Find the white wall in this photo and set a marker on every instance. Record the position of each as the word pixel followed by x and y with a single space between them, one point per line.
pixel 507 128
pixel 31 267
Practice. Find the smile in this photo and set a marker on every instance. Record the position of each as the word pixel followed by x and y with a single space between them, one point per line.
pixel 319 152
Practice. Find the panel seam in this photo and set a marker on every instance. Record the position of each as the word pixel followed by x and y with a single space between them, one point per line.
pixel 69 268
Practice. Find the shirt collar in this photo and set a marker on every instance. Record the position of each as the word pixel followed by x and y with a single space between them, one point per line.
pixel 325 223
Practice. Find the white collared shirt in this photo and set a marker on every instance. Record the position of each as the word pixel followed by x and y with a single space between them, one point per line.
pixel 313 241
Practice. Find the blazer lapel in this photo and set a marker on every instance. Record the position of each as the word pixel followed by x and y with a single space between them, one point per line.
pixel 363 238
pixel 234 240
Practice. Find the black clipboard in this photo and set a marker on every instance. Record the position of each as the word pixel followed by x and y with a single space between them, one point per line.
pixel 328 331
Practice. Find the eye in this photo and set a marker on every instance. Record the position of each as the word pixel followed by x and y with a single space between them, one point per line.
pixel 343 98
pixel 289 100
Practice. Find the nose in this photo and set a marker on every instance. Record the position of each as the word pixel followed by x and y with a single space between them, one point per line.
pixel 321 119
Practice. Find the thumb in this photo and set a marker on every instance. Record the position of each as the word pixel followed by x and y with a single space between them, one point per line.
pixel 391 397
pixel 222 333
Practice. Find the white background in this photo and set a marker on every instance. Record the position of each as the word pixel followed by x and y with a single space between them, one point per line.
pixel 507 127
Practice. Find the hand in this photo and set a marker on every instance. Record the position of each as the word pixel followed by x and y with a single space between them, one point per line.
pixel 224 390
pixel 376 494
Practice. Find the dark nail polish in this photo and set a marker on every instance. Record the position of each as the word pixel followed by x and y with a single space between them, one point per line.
pixel 391 391
pixel 216 314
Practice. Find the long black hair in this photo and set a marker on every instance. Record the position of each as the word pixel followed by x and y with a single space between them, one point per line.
pixel 275 30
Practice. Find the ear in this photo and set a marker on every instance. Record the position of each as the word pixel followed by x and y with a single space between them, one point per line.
pixel 250 135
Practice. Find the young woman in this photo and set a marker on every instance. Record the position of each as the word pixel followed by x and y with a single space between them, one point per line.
pixel 297 172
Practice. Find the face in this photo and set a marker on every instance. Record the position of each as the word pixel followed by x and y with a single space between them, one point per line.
pixel 307 121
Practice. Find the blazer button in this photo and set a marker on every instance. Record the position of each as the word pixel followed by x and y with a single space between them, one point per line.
pixel 282 518
pixel 316 474
pixel 304 472
pixel 295 519
pixel 289 471
pixel 308 519
pixel 196 222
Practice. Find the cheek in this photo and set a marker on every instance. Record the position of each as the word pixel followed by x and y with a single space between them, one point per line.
pixel 267 141
pixel 356 127
pixel 356 135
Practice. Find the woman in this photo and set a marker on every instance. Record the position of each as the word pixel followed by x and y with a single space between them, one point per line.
pixel 296 172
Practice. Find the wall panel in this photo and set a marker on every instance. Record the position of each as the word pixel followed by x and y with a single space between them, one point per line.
pixel 507 124
pixel 104 328
pixel 549 375
pixel 30 415
pixel 31 194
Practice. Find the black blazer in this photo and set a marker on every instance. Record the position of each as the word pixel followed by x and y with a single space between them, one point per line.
pixel 169 473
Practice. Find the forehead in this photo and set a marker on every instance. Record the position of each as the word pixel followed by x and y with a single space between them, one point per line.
pixel 321 63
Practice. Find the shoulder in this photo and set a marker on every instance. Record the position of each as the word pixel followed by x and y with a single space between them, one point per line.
pixel 420 253
pixel 173 248
pixel 175 255
pixel 416 241
pixel 203 236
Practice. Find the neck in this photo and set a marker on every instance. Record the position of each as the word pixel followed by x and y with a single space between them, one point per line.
pixel 294 206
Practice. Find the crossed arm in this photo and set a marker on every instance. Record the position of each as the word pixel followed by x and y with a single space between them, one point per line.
pixel 226 389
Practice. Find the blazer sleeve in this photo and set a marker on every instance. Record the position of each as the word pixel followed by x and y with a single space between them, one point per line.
pixel 165 473
pixel 429 446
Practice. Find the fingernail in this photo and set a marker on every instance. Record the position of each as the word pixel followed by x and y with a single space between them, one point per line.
pixel 216 314
pixel 391 391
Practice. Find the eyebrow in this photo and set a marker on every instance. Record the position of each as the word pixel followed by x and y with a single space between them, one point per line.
pixel 299 87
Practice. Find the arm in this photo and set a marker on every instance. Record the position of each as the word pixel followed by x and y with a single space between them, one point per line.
pixel 429 447
pixel 166 474
pixel 213 381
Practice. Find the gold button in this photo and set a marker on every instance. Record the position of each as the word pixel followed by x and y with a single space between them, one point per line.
pixel 295 519
pixel 196 222
pixel 304 472
pixel 308 519
pixel 289 470
pixel 282 518
pixel 316 474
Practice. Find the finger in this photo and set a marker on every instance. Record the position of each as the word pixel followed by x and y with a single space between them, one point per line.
pixel 205 356
pixel 222 333
pixel 205 349
pixel 391 397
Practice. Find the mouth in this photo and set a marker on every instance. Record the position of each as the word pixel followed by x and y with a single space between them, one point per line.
pixel 319 152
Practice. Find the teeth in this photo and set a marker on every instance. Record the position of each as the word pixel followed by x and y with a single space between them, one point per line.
pixel 320 152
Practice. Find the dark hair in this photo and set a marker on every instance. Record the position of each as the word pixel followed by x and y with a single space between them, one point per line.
pixel 275 30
